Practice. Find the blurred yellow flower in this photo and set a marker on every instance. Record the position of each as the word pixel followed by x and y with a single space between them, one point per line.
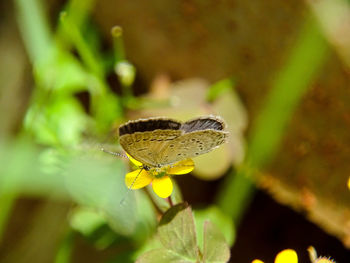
pixel 285 256
pixel 349 183
pixel 158 177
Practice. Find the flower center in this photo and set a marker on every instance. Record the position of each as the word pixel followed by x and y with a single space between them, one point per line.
pixel 159 172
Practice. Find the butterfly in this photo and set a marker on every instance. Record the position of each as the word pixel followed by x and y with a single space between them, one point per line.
pixel 158 142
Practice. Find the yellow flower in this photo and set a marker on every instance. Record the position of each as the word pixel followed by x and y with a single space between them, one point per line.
pixel 285 256
pixel 158 177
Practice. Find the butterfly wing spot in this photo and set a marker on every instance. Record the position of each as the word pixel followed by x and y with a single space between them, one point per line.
pixel 146 137
pixel 171 138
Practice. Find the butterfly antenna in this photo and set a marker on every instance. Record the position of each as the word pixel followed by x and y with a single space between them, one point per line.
pixel 115 153
pixel 130 187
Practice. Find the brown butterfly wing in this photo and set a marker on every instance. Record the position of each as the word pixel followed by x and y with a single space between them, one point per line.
pixel 146 147
pixel 159 141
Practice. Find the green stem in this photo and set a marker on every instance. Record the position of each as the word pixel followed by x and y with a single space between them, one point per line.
pixel 307 56
pixel 118 45
pixel 79 10
pixel 170 201
pixel 98 88
pixel 123 68
pixel 34 28
pixel 82 47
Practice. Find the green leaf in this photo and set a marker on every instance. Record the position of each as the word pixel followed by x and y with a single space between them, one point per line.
pixel 21 171
pixel 58 122
pixel 67 118
pixel 61 73
pixel 100 184
pixel 215 248
pixel 177 232
pixel 92 224
pixel 162 255
pixel 217 217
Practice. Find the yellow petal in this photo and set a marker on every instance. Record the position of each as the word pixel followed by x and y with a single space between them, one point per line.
pixel 137 163
pixel 257 261
pixel 137 179
pixel 163 187
pixel 287 256
pixel 183 167
pixel 349 183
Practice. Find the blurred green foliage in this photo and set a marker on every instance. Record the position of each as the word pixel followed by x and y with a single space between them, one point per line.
pixel 69 164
